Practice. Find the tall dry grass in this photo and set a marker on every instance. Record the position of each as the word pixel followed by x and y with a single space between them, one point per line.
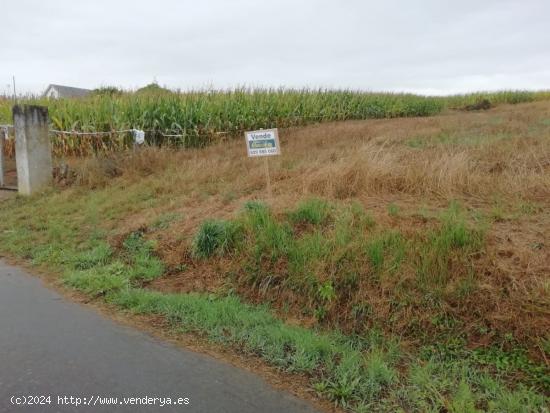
pixel 357 159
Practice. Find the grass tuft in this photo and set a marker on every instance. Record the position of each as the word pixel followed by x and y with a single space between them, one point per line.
pixel 313 211
pixel 99 255
pixel 99 280
pixel 215 236
pixel 144 266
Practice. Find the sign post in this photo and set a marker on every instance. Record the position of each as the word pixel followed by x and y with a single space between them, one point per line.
pixel 263 143
pixel 268 178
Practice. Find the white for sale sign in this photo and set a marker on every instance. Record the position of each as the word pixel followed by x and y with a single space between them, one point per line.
pixel 263 142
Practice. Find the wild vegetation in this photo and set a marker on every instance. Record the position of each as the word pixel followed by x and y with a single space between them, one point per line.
pixel 201 117
pixel 402 264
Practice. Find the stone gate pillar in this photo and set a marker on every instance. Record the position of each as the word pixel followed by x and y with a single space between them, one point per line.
pixel 33 154
pixel 3 135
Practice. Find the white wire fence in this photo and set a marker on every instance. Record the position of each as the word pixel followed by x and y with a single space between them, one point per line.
pixel 288 121
pixel 137 133
pixel 81 143
pixel 116 139
pixel 84 142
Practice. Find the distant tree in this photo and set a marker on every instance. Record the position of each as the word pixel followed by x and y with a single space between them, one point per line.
pixel 153 88
pixel 107 90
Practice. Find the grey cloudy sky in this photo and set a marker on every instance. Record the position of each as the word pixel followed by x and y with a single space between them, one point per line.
pixel 418 46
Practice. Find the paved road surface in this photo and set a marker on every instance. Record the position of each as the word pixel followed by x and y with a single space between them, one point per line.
pixel 51 346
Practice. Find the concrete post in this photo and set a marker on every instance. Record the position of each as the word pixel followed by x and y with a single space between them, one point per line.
pixel 3 136
pixel 33 154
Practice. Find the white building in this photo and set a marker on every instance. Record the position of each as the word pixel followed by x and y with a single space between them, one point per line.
pixel 58 91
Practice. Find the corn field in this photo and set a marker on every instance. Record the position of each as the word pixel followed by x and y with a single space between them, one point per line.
pixel 198 118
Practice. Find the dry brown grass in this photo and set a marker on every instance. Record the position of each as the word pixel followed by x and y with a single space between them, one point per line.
pixel 502 152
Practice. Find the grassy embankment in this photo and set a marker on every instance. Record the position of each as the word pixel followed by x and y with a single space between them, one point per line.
pixel 401 265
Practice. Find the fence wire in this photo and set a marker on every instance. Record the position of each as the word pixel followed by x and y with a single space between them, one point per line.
pixel 90 142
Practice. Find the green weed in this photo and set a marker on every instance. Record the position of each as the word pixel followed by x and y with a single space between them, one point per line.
pixel 308 254
pixel 215 236
pixel 271 238
pixel 99 280
pixel 393 210
pixel 387 249
pixel 163 221
pixel 454 238
pixel 314 211
pixel 144 266
pixel 100 255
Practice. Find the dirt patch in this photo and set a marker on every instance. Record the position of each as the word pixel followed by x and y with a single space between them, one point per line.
pixel 518 256
pixel 190 276
pixel 7 194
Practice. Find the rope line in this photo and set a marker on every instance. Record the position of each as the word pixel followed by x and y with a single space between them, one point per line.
pixel 64 132
pixel 178 134
pixel 139 135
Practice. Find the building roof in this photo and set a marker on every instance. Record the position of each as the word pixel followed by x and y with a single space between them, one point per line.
pixel 68 91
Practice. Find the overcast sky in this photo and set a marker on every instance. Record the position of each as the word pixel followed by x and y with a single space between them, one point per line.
pixel 431 47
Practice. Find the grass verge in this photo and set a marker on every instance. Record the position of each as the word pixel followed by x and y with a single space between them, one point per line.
pixel 370 371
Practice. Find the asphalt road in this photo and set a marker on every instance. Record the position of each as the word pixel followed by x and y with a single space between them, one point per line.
pixel 51 346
